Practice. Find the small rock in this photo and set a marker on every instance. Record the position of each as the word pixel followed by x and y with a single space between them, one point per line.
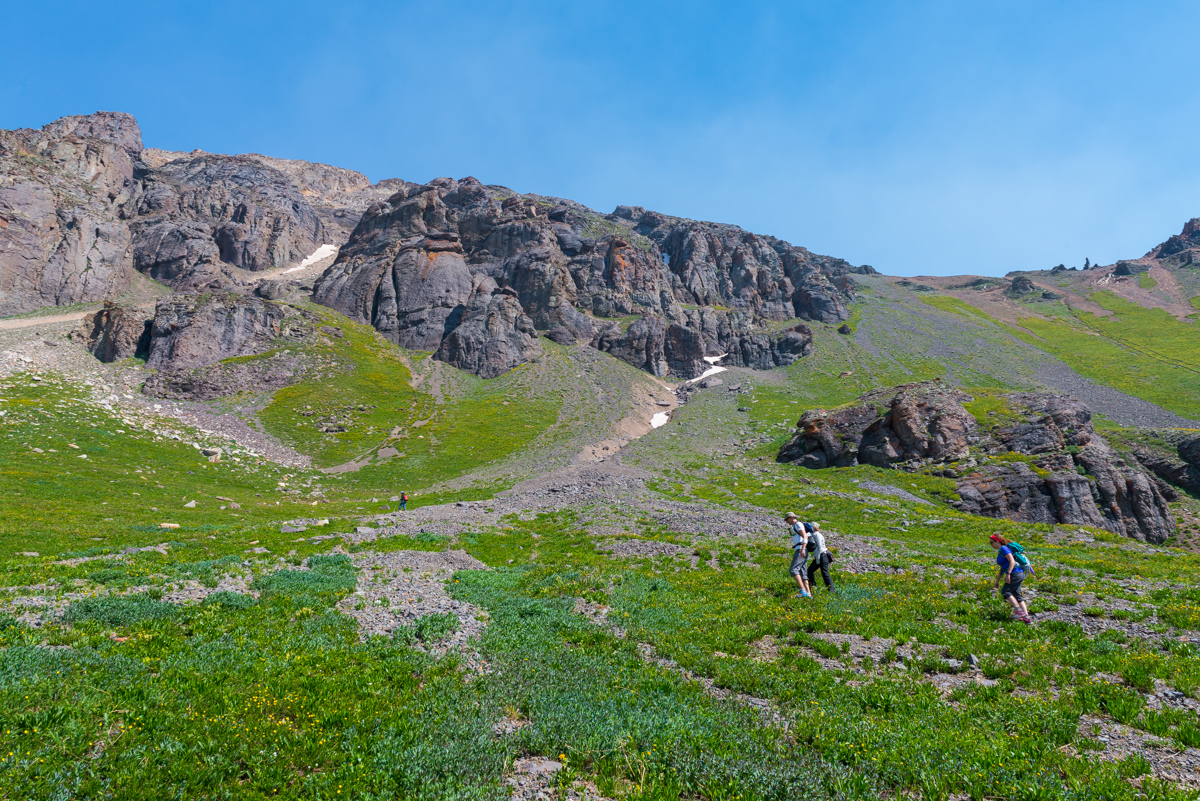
pixel 364 530
pixel 190 505
pixel 30 553
pixel 394 498
pixel 290 529
pixel 972 660
pixel 257 550
pixel 38 450
pixel 743 408
pixel 168 525
pixel 844 329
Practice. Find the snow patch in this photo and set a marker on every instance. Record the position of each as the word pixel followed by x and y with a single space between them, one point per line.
pixel 322 252
pixel 707 373
pixel 715 359
pixel 659 420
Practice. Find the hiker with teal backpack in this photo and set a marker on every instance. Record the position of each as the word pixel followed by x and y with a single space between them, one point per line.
pixel 1012 571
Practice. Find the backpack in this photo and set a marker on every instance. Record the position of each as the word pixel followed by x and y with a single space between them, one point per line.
pixel 1019 554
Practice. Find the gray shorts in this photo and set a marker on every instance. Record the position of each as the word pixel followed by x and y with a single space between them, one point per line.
pixel 798 560
pixel 1013 587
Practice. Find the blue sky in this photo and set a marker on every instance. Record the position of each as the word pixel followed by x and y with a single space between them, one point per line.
pixel 919 137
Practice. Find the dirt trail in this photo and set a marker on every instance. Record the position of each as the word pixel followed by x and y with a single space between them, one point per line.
pixel 29 322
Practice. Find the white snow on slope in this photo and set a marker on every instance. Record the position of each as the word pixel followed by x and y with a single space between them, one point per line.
pixel 659 419
pixel 322 252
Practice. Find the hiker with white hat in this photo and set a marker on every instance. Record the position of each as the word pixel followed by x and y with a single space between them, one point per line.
pixel 799 553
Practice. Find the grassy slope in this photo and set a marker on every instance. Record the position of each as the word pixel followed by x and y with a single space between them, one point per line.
pixel 271 700
pixel 1141 351
pixel 277 699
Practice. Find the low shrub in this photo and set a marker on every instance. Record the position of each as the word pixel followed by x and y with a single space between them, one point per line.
pixel 120 610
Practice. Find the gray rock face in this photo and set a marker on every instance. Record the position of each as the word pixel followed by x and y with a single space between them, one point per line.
pixel 493 336
pixel 192 336
pixel 199 215
pixel 1043 464
pixel 413 262
pixel 65 192
pixel 657 346
pixel 911 423
pixel 114 333
pixel 1182 470
pixel 195 330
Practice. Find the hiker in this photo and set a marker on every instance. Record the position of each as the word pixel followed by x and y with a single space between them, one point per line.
pixel 821 558
pixel 403 501
pixel 799 553
pixel 1013 574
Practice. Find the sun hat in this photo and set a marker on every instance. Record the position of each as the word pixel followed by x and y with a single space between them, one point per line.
pixel 790 515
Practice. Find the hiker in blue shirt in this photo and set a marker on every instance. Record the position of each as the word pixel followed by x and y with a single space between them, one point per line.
pixel 1013 574
pixel 799 553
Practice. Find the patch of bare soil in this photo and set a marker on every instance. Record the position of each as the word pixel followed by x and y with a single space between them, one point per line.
pixel 1168 761
pixel 396 589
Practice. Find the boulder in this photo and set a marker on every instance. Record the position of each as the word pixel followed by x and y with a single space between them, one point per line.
pixel 914 422
pixel 1022 285
pixel 114 333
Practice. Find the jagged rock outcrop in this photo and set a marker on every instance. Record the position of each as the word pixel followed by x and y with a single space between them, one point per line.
pixel 412 262
pixel 191 336
pixel 1181 469
pixel 114 333
pixel 1039 462
pixel 196 330
pixel 914 422
pixel 1022 285
pixel 65 193
pixel 493 335
pixel 1185 242
pixel 199 216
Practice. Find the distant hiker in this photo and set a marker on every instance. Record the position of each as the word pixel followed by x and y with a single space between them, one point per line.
pixel 1013 574
pixel 799 552
pixel 821 557
pixel 403 501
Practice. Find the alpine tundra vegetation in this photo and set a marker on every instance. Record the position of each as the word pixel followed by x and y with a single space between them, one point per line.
pixel 218 375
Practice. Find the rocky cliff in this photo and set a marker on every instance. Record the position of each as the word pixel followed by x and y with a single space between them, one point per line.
pixel 1039 461
pixel 66 194
pixel 83 205
pixel 412 269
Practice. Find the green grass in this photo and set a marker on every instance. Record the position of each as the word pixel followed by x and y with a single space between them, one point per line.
pixel 1146 281
pixel 1143 352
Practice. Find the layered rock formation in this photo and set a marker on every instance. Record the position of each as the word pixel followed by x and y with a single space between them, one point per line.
pixel 412 266
pixel 1040 462
pixel 66 192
